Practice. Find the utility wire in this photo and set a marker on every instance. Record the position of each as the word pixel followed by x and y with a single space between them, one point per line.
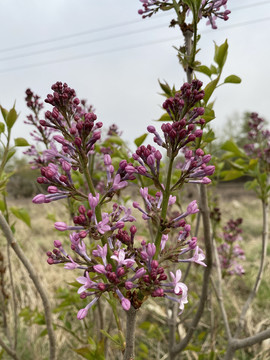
pixel 102 52
pixel 100 29
pixel 83 42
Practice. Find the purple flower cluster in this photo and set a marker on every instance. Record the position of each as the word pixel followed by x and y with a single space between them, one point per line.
pixel 132 269
pixel 259 148
pixel 211 9
pixel 229 251
pixel 118 262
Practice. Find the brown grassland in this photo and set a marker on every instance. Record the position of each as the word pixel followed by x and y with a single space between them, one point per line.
pixel 234 202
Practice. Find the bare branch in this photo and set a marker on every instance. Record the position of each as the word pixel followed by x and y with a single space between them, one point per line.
pixel 209 261
pixel 260 272
pixel 130 334
pixel 47 309
pixel 10 352
pixel 218 292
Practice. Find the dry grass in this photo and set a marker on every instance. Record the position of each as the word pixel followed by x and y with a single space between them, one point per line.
pixel 234 202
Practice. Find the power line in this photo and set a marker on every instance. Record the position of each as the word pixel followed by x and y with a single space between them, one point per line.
pixel 96 30
pixel 126 47
pixel 83 42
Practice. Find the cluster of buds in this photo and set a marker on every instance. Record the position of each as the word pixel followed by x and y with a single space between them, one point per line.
pixel 229 251
pixel 260 137
pixel 119 266
pixel 150 7
pixel 211 9
pixel 39 134
pixel 185 119
pixel 117 261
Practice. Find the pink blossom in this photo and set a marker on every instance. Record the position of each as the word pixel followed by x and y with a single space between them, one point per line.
pixel 103 226
pixel 93 201
pixel 118 184
pixel 101 252
pixel 192 207
pixel 86 281
pixel 179 287
pixel 120 258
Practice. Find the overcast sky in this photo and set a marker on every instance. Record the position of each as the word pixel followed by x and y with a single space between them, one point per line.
pixel 117 67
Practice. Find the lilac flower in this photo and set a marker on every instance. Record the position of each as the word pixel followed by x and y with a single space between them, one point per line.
pixel 124 302
pixel 100 269
pixel 72 265
pixel 83 312
pixel 87 283
pixel 103 226
pixel 179 288
pixel 120 258
pixel 93 201
pixel 101 252
pixel 164 239
pixel 118 184
pixel 198 257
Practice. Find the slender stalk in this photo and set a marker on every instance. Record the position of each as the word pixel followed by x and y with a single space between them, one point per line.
pixel 4 316
pixel 260 271
pixel 47 309
pixel 15 317
pixel 172 328
pixel 209 261
pixel 130 334
pixel 165 202
pixel 236 344
pixel 10 352
pixel 218 292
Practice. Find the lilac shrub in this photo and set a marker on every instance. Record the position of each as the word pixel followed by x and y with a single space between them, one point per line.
pixel 259 137
pixel 116 262
pixel 211 9
pixel 229 250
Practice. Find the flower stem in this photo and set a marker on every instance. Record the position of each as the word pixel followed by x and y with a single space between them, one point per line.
pixel 130 334
pixel 166 195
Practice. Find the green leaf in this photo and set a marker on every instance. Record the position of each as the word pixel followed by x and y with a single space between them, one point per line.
pixel 213 69
pixel 138 142
pixel 105 333
pixel 209 89
pixel 229 145
pixel 221 53
pixel 233 79
pixel 2 127
pixel 166 88
pixel 84 352
pixel 21 142
pixel 251 185
pixel 253 164
pixel 21 214
pixel 2 205
pixel 116 140
pixel 208 115
pixel 10 153
pixel 231 175
pixel 4 112
pixel 165 117
pixel 11 118
pixel 204 69
pixel 209 136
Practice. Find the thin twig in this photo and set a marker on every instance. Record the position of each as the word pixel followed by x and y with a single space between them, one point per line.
pixel 236 344
pixel 47 309
pixel 10 352
pixel 15 316
pixel 260 272
pixel 208 250
pixel 130 334
pixel 4 316
pixel 218 291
